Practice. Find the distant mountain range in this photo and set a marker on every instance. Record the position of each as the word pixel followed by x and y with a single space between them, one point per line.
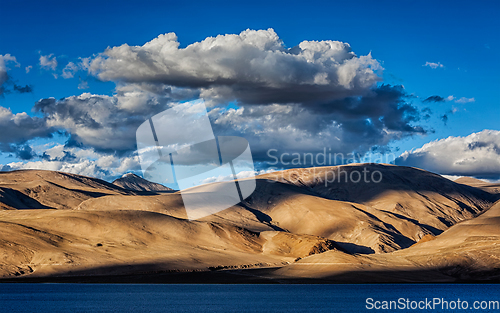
pixel 299 225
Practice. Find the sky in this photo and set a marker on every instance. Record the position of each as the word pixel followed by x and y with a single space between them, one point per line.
pixel 413 83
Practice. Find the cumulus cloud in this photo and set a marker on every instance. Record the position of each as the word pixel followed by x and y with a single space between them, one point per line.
pixel 28 68
pixel 106 123
pixel 316 95
pixel 309 96
pixel 475 155
pixel 109 123
pixel 20 127
pixel 433 65
pixel 343 126
pixel 48 62
pixel 254 67
pixel 79 161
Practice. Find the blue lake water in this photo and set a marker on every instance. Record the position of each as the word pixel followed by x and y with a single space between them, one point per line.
pixel 230 298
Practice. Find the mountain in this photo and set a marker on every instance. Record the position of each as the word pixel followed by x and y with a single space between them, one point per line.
pixel 466 252
pixel 377 216
pixel 299 225
pixel 37 189
pixel 481 184
pixel 133 182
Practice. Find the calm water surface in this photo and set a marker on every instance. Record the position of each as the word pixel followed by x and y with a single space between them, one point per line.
pixel 225 298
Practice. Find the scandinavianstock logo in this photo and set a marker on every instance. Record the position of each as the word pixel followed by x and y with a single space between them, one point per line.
pixel 178 148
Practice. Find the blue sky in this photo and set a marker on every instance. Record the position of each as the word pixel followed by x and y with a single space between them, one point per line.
pixel 459 40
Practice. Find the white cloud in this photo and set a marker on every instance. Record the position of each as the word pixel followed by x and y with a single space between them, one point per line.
pixel 79 161
pixel 460 100
pixel 465 100
pixel 28 68
pixel 69 70
pixel 316 95
pixel 253 66
pixel 475 155
pixel 433 65
pixel 48 62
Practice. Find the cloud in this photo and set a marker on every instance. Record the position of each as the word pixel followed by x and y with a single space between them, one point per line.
pixel 460 100
pixel 69 70
pixel 23 89
pixel 449 112
pixel 315 96
pixel 5 60
pixel 343 126
pixel 433 65
pixel 426 113
pixel 23 152
pixel 28 68
pixel 20 127
pixel 83 84
pixel 465 100
pixel 253 67
pixel 475 155
pixel 444 118
pixel 48 62
pixel 309 96
pixel 74 160
pixel 435 99
pixel 106 123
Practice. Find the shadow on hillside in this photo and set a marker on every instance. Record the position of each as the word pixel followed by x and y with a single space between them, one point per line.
pixel 19 200
pixel 151 273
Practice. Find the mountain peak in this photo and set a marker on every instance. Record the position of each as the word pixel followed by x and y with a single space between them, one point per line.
pixel 134 182
pixel 130 175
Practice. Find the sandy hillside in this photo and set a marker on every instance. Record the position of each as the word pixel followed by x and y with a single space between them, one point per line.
pixel 62 224
pixel 36 189
pixel 395 213
pixel 468 251
pixel 481 184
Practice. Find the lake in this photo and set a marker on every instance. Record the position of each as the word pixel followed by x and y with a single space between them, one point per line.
pixel 75 298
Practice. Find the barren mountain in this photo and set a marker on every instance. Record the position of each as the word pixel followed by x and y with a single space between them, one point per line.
pixel 37 189
pixel 131 181
pixel 377 216
pixel 298 224
pixel 468 251
pixel 481 184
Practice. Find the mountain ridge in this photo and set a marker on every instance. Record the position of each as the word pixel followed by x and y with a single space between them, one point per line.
pixel 78 225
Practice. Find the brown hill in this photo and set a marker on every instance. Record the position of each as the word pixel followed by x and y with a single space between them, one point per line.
pixel 468 251
pixel 394 213
pixel 481 184
pixel 292 214
pixel 37 189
